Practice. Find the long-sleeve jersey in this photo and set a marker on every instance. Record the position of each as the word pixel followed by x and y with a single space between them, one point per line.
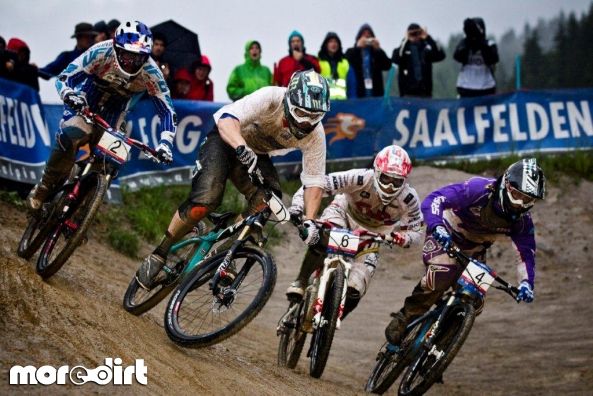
pixel 112 93
pixel 265 130
pixel 466 210
pixel 358 197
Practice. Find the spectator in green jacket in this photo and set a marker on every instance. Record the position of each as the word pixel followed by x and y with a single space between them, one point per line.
pixel 251 75
pixel 334 65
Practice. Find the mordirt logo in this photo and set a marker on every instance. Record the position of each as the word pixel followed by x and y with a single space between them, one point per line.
pixel 112 372
pixel 344 125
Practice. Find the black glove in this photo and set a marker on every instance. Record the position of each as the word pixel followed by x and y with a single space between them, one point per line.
pixel 75 101
pixel 248 158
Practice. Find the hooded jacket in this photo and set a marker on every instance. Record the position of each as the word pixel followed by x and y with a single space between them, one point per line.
pixel 201 90
pixel 379 62
pixel 248 77
pixel 23 71
pixel 334 68
pixel 288 65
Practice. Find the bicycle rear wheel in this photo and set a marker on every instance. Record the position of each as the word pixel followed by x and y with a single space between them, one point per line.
pixel 429 365
pixel 393 359
pixel 292 338
pixel 38 228
pixel 323 336
pixel 67 235
pixel 137 300
pixel 195 317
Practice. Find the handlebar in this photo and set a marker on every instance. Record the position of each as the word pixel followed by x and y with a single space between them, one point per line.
pixel 454 251
pixel 96 119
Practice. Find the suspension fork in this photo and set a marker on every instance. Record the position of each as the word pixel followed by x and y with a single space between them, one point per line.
pixel 347 267
pixel 326 272
pixel 430 334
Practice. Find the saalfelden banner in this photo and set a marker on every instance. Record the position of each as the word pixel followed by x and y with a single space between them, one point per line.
pixel 429 129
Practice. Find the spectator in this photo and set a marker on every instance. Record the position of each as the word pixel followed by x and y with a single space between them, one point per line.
pixel 368 61
pixel 296 60
pixel 415 56
pixel 334 65
pixel 251 75
pixel 7 60
pixel 23 72
pixel 181 84
pixel 112 25
pixel 102 31
pixel 202 88
pixel 85 38
pixel 159 46
pixel 478 56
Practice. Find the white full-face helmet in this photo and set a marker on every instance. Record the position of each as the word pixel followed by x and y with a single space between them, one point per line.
pixel 392 166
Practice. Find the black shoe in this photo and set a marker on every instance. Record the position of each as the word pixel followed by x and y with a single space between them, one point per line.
pixel 396 328
pixel 147 273
pixel 295 291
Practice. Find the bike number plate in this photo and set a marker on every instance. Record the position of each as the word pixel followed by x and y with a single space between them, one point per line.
pixel 114 147
pixel 343 242
pixel 477 275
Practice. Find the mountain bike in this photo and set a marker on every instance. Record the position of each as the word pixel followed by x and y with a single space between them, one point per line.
pixel 183 257
pixel 431 341
pixel 320 311
pixel 61 224
pixel 228 289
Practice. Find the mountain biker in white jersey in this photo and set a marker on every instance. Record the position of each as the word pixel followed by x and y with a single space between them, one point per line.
pixel 109 79
pixel 378 200
pixel 270 121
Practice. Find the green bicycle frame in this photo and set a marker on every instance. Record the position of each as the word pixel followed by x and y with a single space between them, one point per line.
pixel 206 242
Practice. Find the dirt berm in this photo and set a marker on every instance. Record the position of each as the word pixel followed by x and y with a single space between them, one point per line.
pixel 76 318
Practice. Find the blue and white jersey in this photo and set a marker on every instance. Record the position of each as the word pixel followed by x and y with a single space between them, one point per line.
pixel 112 93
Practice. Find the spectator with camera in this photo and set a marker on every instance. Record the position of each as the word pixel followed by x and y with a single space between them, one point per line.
pixel 415 56
pixel 102 31
pixel 478 57
pixel 334 66
pixel 249 76
pixel 368 61
pixel 22 71
pixel 85 38
pixel 297 60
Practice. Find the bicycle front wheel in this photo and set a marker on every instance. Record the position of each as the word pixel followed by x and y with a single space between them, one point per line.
pixel 292 338
pixel 68 234
pixel 196 317
pixel 324 334
pixel 430 364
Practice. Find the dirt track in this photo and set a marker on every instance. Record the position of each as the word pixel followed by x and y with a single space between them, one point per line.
pixel 76 318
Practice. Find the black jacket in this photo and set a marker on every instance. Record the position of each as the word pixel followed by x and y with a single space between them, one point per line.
pixel 430 52
pixel 466 47
pixel 379 62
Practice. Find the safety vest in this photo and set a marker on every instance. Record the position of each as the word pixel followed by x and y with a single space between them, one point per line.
pixel 337 88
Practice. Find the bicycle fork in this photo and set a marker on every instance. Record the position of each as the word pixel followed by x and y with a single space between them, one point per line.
pixel 328 269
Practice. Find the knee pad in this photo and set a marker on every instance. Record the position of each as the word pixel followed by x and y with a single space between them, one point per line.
pixel 196 213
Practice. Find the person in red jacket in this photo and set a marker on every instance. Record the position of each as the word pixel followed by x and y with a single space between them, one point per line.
pixel 296 60
pixel 202 87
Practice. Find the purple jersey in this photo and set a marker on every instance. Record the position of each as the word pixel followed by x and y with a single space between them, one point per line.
pixel 467 212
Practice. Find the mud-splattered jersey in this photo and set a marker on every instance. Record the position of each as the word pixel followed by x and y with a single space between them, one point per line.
pixel 265 130
pixel 112 93
pixel 358 197
pixel 466 210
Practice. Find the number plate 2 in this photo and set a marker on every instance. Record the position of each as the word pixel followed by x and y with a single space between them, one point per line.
pixel 114 147
pixel 342 241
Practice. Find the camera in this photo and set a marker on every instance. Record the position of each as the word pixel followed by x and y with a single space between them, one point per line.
pixel 369 41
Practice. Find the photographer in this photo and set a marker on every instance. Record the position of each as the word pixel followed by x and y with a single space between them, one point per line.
pixel 478 57
pixel 368 60
pixel 415 56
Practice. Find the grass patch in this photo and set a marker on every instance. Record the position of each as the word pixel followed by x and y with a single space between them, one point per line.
pixel 577 164
pixel 12 197
pixel 124 241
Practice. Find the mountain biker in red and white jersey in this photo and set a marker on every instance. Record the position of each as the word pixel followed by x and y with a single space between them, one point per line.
pixel 270 121
pixel 109 79
pixel 378 200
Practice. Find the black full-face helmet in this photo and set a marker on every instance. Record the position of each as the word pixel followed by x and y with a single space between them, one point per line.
pixel 306 102
pixel 521 185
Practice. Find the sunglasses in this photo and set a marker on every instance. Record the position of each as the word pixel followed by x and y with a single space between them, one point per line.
pixel 394 181
pixel 519 198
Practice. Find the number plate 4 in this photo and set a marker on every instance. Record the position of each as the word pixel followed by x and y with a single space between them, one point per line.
pixel 478 275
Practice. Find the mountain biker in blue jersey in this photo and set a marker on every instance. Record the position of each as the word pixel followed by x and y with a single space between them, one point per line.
pixel 109 79
pixel 472 215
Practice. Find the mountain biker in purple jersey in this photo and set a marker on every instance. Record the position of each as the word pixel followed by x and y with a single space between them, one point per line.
pixel 472 215
pixel 109 79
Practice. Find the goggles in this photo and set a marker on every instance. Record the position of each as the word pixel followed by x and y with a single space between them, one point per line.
pixel 394 182
pixel 518 198
pixel 131 62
